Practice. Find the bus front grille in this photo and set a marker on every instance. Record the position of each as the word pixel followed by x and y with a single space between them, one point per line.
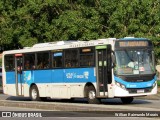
pixel 140 90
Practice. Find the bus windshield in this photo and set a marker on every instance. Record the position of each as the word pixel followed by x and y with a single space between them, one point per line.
pixel 132 62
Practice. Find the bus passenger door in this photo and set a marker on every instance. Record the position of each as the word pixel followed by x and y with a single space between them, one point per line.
pixel 103 69
pixel 18 74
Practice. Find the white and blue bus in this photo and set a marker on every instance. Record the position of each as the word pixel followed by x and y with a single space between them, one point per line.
pixel 97 69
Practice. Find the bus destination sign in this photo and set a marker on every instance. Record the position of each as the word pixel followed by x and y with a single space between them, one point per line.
pixel 133 43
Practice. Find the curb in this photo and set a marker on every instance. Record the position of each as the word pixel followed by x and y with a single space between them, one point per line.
pixel 52 106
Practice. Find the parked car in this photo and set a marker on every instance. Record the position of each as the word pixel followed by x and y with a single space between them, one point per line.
pixel 0 76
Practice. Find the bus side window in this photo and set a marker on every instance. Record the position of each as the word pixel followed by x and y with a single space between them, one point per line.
pixel 29 61
pixel 86 57
pixel 27 65
pixel 9 62
pixel 71 58
pixel 57 59
pixel 43 60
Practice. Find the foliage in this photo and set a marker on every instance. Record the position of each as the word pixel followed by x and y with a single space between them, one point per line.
pixel 158 82
pixel 26 22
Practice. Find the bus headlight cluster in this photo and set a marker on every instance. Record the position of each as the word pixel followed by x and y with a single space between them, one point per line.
pixel 121 85
pixel 154 84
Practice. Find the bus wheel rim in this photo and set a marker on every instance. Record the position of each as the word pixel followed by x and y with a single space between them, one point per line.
pixel 34 94
pixel 92 95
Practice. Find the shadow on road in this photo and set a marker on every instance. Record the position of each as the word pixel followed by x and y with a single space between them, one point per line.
pixel 115 101
pixel 14 98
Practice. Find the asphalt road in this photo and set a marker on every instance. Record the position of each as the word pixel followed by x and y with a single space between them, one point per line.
pixel 138 104
pixel 116 103
pixel 110 104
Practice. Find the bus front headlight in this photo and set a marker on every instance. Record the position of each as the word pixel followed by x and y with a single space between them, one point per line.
pixel 121 85
pixel 118 84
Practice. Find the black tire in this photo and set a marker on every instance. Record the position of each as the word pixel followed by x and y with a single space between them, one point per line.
pixel 127 100
pixel 91 95
pixel 43 98
pixel 34 93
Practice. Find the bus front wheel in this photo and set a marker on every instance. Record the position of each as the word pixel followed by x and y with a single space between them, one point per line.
pixel 127 100
pixel 91 95
pixel 34 93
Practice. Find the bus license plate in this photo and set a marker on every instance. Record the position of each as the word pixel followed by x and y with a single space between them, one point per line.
pixel 140 91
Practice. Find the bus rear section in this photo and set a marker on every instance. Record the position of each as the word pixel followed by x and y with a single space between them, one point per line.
pixel 83 72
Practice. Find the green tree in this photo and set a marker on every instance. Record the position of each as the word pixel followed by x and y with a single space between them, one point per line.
pixel 26 22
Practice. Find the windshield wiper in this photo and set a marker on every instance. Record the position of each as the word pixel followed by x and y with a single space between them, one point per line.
pixel 128 55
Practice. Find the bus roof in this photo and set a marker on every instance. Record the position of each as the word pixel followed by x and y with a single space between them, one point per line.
pixel 132 38
pixel 67 44
pixel 61 45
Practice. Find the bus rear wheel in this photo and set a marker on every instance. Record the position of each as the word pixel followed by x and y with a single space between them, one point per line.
pixel 127 100
pixel 34 93
pixel 91 95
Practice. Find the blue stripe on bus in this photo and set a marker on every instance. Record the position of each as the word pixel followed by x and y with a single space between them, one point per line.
pixel 75 75
pixel 135 84
pixel 10 77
